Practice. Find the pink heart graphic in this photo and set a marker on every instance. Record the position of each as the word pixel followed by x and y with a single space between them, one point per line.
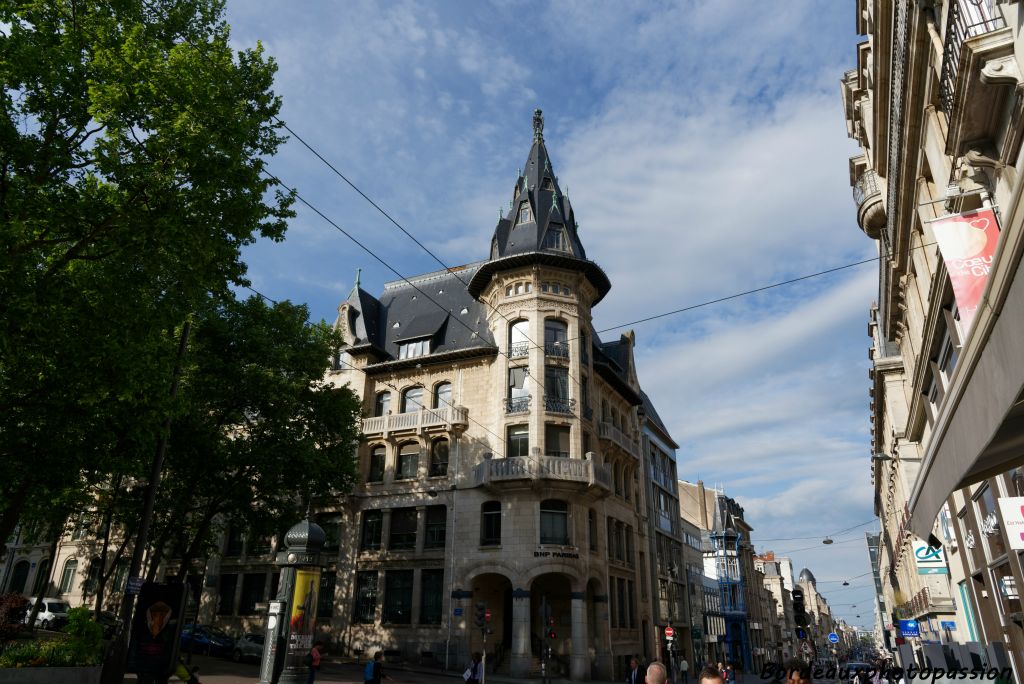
pixel 980 224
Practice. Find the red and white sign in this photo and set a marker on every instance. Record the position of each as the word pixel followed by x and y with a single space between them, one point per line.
pixel 968 243
pixel 1012 508
pixel 669 632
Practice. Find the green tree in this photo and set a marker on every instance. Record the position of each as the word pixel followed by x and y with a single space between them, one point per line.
pixel 259 431
pixel 133 143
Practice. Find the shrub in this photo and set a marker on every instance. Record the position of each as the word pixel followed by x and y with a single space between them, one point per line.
pixel 81 646
pixel 13 608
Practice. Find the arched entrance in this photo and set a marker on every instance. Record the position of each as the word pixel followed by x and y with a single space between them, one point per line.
pixel 551 622
pixel 494 591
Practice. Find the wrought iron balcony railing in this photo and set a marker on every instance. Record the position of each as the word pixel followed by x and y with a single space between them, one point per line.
pixel 517 350
pixel 962 24
pixel 559 404
pixel 559 350
pixel 518 404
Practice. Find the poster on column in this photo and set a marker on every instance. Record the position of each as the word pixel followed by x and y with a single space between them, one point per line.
pixel 303 615
pixel 968 243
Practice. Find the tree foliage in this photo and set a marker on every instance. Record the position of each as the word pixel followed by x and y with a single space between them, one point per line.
pixel 133 142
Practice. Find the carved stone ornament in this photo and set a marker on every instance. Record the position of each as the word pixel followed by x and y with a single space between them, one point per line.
pixel 969 539
pixel 990 525
pixel 1001 71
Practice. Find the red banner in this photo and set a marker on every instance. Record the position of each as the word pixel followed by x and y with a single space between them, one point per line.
pixel 968 243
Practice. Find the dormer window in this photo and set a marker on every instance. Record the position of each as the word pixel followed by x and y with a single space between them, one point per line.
pixel 414 348
pixel 555 238
pixel 525 216
pixel 547 185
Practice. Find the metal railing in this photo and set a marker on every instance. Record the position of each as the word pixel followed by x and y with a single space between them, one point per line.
pixel 416 420
pixel 961 26
pixel 518 350
pixel 559 350
pixel 865 187
pixel 559 404
pixel 517 404
pixel 606 430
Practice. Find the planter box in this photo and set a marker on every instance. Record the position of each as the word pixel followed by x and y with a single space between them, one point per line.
pixel 51 675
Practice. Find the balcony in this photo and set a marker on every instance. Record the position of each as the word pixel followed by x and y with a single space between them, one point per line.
pixel 608 431
pixel 923 604
pixel 977 54
pixel 867 195
pixel 558 350
pixel 535 468
pixel 559 404
pixel 518 350
pixel 515 405
pixel 447 418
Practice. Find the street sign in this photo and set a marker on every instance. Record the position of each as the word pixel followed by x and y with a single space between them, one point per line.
pixel 833 637
pixel 134 585
pixel 948 624
pixel 909 628
pixel 458 612
pixel 669 632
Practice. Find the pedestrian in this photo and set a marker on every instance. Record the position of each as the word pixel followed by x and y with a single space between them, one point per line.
pixel 721 670
pixel 313 661
pixel 373 673
pixel 684 669
pixel 634 676
pixel 711 675
pixel 730 674
pixel 797 672
pixel 656 673
pixel 473 673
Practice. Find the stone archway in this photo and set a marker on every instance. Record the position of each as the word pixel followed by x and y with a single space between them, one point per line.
pixel 494 590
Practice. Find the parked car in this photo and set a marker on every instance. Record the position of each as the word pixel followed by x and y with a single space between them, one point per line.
pixel 53 614
pixel 206 639
pixel 854 672
pixel 249 646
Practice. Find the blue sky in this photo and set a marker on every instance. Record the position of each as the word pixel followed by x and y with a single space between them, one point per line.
pixel 705 152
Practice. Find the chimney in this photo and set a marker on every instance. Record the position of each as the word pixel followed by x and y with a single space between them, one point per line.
pixel 703 505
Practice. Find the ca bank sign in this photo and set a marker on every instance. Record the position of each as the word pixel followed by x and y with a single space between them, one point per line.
pixel 930 561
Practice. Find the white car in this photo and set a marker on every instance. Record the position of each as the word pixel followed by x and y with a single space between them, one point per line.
pixel 52 614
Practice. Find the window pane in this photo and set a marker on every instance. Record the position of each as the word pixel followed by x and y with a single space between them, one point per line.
pixel 403 529
pixel 252 592
pixel 398 597
pixel 556 382
pixel 408 461
pixel 226 600
pixel 490 523
pixel 431 596
pixel 439 458
pixel 372 523
pixel 376 473
pixel 325 599
pixel 556 440
pixel 383 404
pixel 437 520
pixel 517 382
pixel 518 441
pixel 366 597
pixel 412 399
pixel 554 523
pixel 443 395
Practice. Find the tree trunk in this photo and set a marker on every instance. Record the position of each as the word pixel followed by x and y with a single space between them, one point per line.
pixel 10 510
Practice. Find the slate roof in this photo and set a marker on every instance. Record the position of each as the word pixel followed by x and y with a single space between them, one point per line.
pixel 652 415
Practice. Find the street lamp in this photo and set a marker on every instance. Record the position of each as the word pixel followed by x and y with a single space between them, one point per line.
pixel 826 540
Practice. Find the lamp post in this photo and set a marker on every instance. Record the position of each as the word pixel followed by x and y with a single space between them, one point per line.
pixel 291 618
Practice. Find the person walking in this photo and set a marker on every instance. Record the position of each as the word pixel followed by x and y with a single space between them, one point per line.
pixel 656 673
pixel 730 674
pixel 473 673
pixel 684 670
pixel 373 673
pixel 635 676
pixel 313 661
pixel 711 675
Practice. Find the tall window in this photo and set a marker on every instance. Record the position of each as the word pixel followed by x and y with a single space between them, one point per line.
pixel 67 577
pixel 518 441
pixel 584 348
pixel 556 383
pixel 19 577
pixel 556 440
pixel 554 522
pixel 555 238
pixel 376 471
pixel 443 395
pixel 233 546
pixel 437 521
pixel 524 213
pixel 398 597
pixel 408 461
pixel 365 611
pixel 412 399
pixel 403 529
pixel 226 598
pixel 252 592
pixel 556 338
pixel 382 404
pixel 439 457
pixel 325 599
pixel 518 339
pixel 431 596
pixel 592 528
pixel 518 396
pixel 373 522
pixel 331 525
pixel 43 576
pixel 490 523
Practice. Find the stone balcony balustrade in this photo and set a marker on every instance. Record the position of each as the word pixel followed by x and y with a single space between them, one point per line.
pixel 495 471
pixel 446 418
pixel 608 431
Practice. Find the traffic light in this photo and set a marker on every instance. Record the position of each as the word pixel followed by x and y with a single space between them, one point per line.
pixel 552 635
pixel 801 633
pixel 799 611
pixel 482 615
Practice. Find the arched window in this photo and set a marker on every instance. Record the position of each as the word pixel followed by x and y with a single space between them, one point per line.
pixel 617 478
pixel 443 395
pixel 19 577
pixel 382 404
pixel 408 461
pixel 604 410
pixel 412 399
pixel 518 339
pixel 490 523
pixel 439 458
pixel 556 336
pixel 376 470
pixel 554 522
pixel 42 576
pixel 67 578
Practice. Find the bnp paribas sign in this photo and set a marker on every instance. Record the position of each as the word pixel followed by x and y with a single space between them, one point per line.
pixel 930 561
pixel 1012 508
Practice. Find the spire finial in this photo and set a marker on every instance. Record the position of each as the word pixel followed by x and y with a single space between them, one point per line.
pixel 359 272
pixel 538 125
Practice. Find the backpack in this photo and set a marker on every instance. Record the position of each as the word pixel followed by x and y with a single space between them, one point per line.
pixel 368 672
pixel 308 660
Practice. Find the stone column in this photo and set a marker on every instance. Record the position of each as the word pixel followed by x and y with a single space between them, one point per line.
pixel 579 664
pixel 604 666
pixel 521 656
